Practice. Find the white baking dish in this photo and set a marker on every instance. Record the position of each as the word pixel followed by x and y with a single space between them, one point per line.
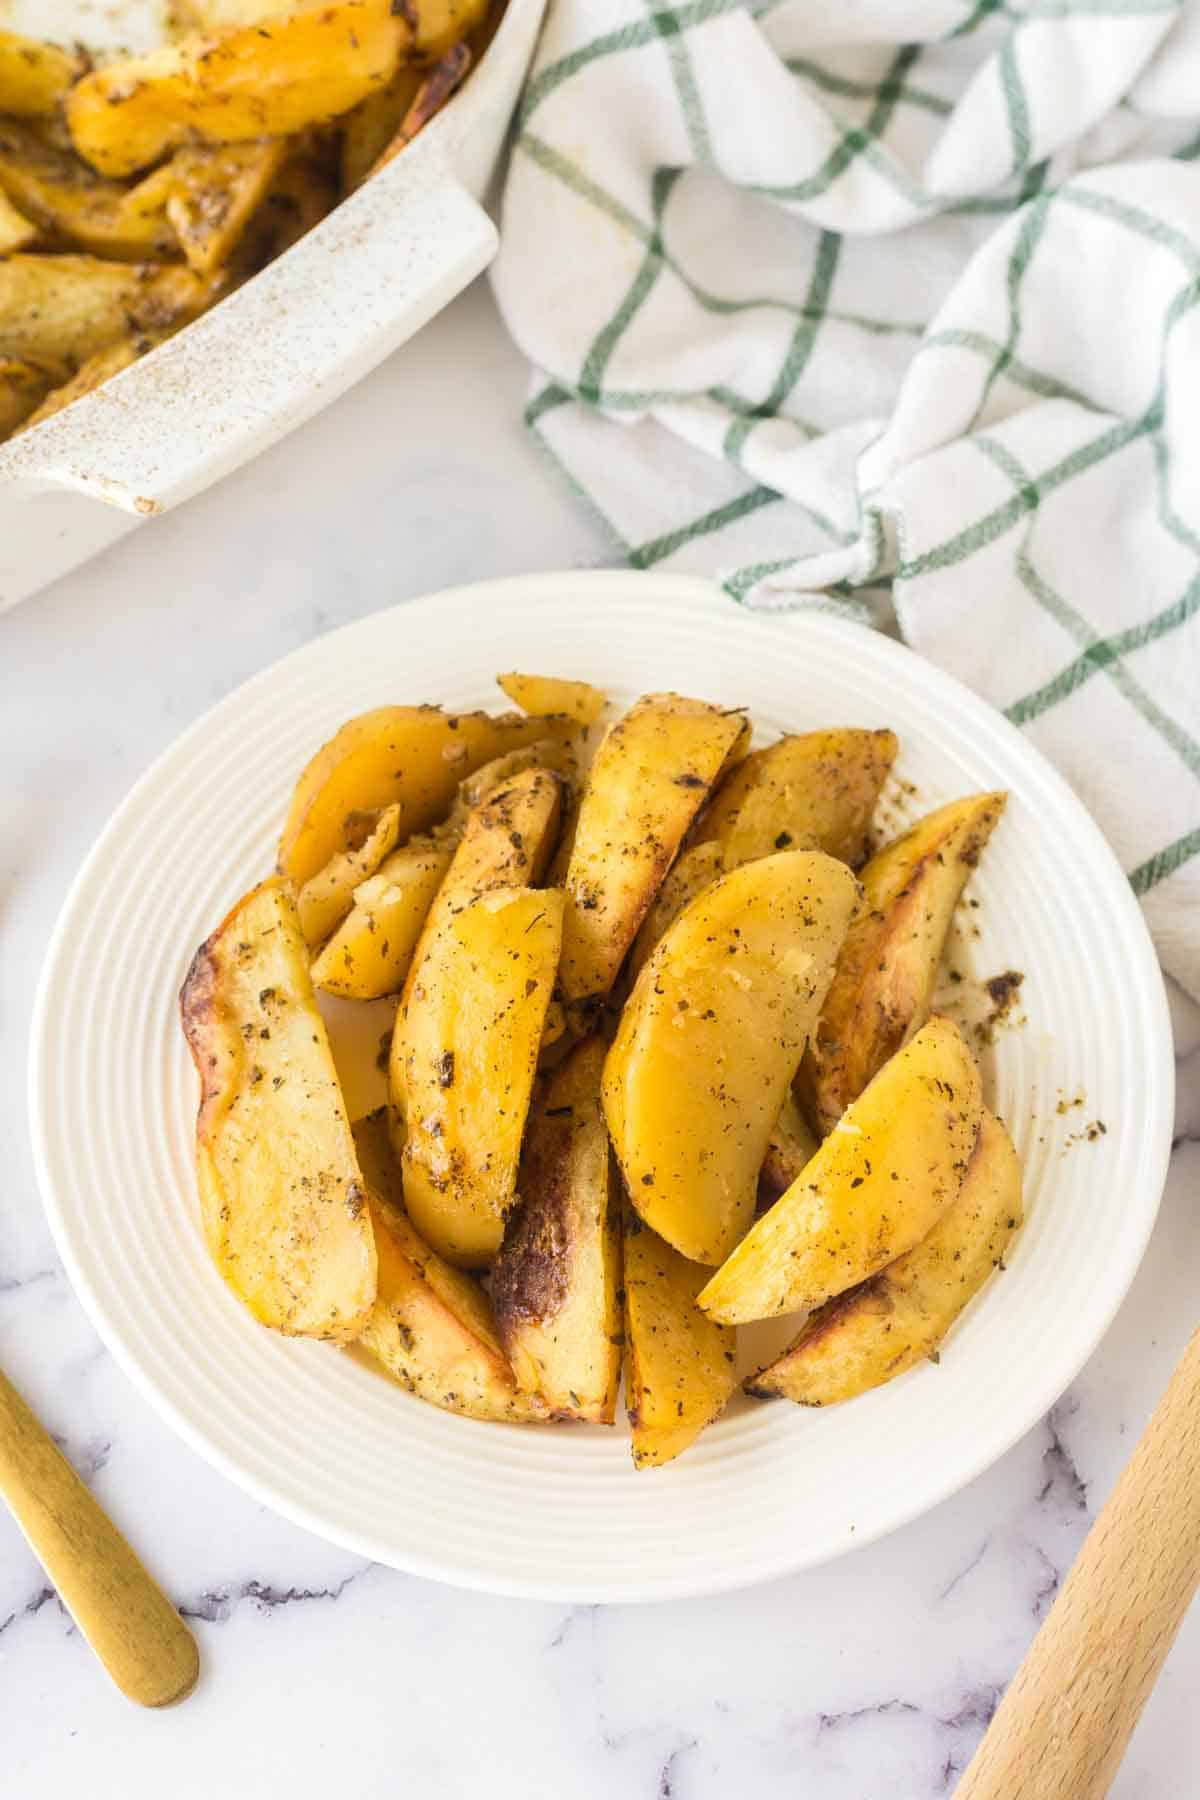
pixel 277 350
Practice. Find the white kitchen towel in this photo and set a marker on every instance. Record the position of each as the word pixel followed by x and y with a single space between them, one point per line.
pixel 831 296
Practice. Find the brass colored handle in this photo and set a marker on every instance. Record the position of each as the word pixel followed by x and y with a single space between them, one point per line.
pixel 119 1608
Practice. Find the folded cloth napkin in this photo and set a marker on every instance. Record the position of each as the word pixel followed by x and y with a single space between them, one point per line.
pixel 832 296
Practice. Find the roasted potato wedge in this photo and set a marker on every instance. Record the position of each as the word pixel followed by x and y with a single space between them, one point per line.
pixel 412 755
pixel 265 80
pixel 555 1284
pixel 879 1183
pixel 711 1037
pixel 16 231
pixel 692 872
pixel 876 1331
pixel 816 790
pixel 370 128
pixel 431 1325
pixel 88 377
pixel 70 204
pixel 470 1037
pixel 34 77
pixel 371 952
pixel 69 307
pixel 646 785
pixel 437 86
pixel 324 901
pixel 23 387
pixel 790 1148
pixel 887 969
pixel 556 754
pixel 430 26
pixel 282 1197
pixel 549 694
pixel 679 1364
pixel 214 195
pixel 301 195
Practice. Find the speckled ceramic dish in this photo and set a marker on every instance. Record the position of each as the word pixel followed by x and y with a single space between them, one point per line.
pixel 280 348
pixel 554 1511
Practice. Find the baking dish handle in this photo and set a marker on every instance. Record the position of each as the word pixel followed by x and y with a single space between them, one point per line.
pixel 262 362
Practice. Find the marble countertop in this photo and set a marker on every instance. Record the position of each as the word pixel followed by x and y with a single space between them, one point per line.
pixel 871 1679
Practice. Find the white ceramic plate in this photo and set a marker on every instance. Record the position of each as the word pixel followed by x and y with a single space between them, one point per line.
pixel 560 1513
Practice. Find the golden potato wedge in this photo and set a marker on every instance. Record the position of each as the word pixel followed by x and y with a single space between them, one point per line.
pixel 23 387
pixel 692 872
pixel 301 195
pixel 876 1331
pixel 88 377
pixel 437 86
pixel 550 694
pixel 370 128
pixel 556 1280
pixel 281 1194
pixel 711 1037
pixel 70 204
pixel 470 1036
pixel 34 77
pixel 431 1325
pixel 324 901
pixel 264 80
pixel 557 754
pixel 790 1148
pixel 679 1364
pixel 887 970
pixel 879 1183
pixel 646 785
pixel 412 755
pixel 371 951
pixel 215 193
pixel 16 231
pixel 430 26
pixel 69 307
pixel 813 791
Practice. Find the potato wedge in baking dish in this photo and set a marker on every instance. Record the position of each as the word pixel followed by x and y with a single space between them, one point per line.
pixel 710 1039
pixel 470 1045
pixel 34 77
pixel 879 1183
pixel 887 970
pixel 648 780
pixel 815 790
pixel 23 387
pixel 555 1283
pixel 370 128
pixel 88 377
pixel 550 694
pixel 271 79
pixel 431 1326
pixel 73 206
pixel 876 1331
pixel 213 194
pixel 679 1364
pixel 414 756
pixel 70 307
pixel 281 1193
pixel 327 897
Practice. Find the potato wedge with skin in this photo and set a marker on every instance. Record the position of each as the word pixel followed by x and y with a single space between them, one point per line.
pixel 371 951
pixel 324 901
pixel 556 1281
pixel 266 80
pixel 710 1039
pixel 438 86
pixel 88 377
pixel 23 387
pixel 790 1148
pixel 412 755
pixel 556 754
pixel 815 790
pixel 16 231
pixel 281 1193
pixel 370 128
pixel 679 1364
pixel 692 872
pixel 70 203
pixel 69 307
pixel 215 193
pixel 879 1183
pixel 887 969
pixel 550 694
pixel 470 1040
pixel 898 1318
pixel 34 77
pixel 432 1326
pixel 649 778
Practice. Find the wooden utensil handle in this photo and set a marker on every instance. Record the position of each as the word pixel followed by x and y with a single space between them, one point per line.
pixel 121 1611
pixel 1062 1728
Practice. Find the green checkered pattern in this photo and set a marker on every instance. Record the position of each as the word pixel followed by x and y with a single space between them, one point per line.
pixel 893 304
